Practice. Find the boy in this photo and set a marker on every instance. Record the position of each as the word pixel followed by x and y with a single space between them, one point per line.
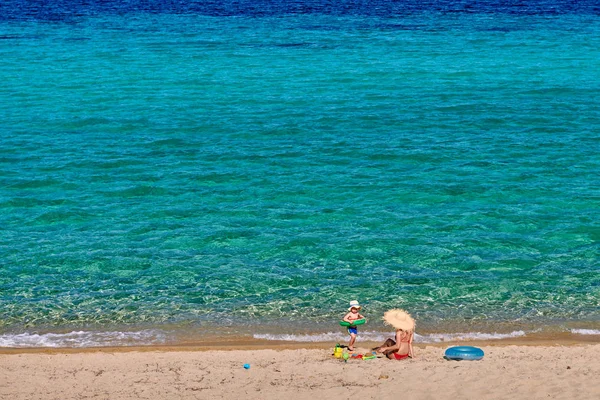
pixel 351 317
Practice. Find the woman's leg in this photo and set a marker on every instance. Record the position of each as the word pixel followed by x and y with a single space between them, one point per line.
pixel 387 343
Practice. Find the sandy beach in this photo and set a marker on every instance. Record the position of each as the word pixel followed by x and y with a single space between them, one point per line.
pixel 506 372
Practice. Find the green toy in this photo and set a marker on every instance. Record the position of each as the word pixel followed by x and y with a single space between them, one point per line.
pixel 372 356
pixel 355 323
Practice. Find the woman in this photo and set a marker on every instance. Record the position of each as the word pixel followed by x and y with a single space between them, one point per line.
pixel 400 348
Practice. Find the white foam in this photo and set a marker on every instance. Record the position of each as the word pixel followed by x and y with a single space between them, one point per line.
pixel 586 331
pixel 381 336
pixel 82 339
pixel 444 337
pixel 322 337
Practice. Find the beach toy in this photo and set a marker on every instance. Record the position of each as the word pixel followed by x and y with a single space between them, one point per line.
pixel 355 323
pixel 372 356
pixel 346 356
pixel 463 353
pixel 338 352
pixel 246 366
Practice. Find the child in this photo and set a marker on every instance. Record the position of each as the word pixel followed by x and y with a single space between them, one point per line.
pixel 351 317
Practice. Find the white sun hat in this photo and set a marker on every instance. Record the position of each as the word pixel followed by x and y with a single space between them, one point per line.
pixel 354 304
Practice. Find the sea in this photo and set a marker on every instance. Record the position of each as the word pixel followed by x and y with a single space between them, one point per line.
pixel 179 171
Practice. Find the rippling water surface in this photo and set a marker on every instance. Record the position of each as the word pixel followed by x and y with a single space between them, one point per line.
pixel 251 167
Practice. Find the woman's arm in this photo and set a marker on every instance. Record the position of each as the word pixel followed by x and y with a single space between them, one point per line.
pixel 397 345
pixel 411 352
pixel 390 348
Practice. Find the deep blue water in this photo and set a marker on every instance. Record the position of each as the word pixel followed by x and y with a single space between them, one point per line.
pixel 72 11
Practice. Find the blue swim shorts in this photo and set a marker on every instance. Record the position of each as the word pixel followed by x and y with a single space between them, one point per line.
pixel 353 330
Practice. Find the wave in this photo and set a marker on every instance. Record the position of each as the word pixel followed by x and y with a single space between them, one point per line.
pixel 443 337
pixel 380 336
pixel 321 337
pixel 83 339
pixel 585 331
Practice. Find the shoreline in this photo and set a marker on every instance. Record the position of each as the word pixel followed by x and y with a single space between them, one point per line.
pixel 281 345
pixel 169 337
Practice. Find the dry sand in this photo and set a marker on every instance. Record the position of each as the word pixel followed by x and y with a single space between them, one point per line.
pixel 506 372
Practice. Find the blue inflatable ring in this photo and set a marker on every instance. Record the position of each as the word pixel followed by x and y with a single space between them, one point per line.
pixel 464 353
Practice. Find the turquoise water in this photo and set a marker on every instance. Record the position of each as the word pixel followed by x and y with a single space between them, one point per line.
pixel 239 174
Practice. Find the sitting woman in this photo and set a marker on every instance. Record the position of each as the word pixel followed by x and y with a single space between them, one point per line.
pixel 400 348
